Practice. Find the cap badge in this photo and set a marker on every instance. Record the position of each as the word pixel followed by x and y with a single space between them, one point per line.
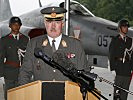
pixel 64 44
pixel 16 19
pixel 53 14
pixel 53 9
pixel 45 42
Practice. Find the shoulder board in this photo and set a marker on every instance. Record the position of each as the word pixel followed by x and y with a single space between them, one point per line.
pixel 74 38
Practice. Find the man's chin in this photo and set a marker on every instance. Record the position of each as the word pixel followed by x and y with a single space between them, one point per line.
pixel 16 31
pixel 54 35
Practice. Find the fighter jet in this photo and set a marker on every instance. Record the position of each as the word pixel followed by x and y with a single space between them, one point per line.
pixel 94 32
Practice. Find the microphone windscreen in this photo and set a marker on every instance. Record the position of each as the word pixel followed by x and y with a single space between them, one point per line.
pixel 37 51
pixel 60 56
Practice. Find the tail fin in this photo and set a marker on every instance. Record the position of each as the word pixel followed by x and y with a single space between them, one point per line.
pixel 5 10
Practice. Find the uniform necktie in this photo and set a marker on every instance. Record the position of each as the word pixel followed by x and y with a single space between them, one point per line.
pixel 124 38
pixel 16 37
pixel 53 45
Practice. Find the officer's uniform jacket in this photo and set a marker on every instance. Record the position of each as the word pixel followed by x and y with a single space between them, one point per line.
pixel 122 65
pixel 42 71
pixel 9 60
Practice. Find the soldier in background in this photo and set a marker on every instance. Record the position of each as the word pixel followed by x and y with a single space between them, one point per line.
pixel 11 46
pixel 120 52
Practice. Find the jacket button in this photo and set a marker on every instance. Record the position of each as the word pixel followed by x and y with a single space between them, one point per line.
pixel 54 71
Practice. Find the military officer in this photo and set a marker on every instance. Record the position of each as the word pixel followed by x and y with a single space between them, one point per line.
pixel 120 51
pixel 10 58
pixel 53 20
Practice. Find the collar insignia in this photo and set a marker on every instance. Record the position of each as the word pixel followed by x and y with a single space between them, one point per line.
pixel 64 44
pixel 45 42
pixel 10 35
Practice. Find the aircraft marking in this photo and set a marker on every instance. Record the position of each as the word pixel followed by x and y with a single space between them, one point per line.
pixel 104 40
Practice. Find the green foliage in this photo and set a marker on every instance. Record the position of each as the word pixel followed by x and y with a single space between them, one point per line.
pixel 113 10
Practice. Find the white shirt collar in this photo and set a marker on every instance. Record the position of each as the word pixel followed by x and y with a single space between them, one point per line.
pixel 16 35
pixel 122 36
pixel 57 41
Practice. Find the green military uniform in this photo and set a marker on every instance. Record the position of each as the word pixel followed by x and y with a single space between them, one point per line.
pixel 9 60
pixel 121 62
pixel 42 71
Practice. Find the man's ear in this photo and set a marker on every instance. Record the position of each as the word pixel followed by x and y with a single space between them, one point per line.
pixel 44 21
pixel 10 25
pixel 63 24
pixel 119 29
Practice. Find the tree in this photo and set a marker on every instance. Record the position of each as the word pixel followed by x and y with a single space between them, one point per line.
pixel 110 9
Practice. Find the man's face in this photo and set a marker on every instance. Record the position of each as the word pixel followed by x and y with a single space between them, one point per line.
pixel 54 28
pixel 15 27
pixel 124 29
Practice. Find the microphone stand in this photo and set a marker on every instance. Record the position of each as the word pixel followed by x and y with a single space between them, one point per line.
pixel 79 76
pixel 87 76
pixel 84 85
pixel 83 91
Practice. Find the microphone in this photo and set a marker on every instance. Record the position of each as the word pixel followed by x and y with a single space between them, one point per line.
pixel 61 58
pixel 40 54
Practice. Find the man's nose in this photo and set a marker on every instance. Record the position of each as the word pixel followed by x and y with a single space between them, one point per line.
pixel 53 24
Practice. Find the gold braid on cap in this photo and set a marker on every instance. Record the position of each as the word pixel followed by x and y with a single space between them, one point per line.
pixel 53 15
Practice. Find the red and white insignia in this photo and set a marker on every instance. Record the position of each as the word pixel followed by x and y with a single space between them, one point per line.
pixel 10 35
pixel 69 55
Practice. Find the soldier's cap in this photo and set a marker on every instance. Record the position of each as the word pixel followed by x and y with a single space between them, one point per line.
pixel 15 19
pixel 53 13
pixel 123 22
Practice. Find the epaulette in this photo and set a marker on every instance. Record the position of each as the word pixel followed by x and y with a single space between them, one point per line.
pixel 74 38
